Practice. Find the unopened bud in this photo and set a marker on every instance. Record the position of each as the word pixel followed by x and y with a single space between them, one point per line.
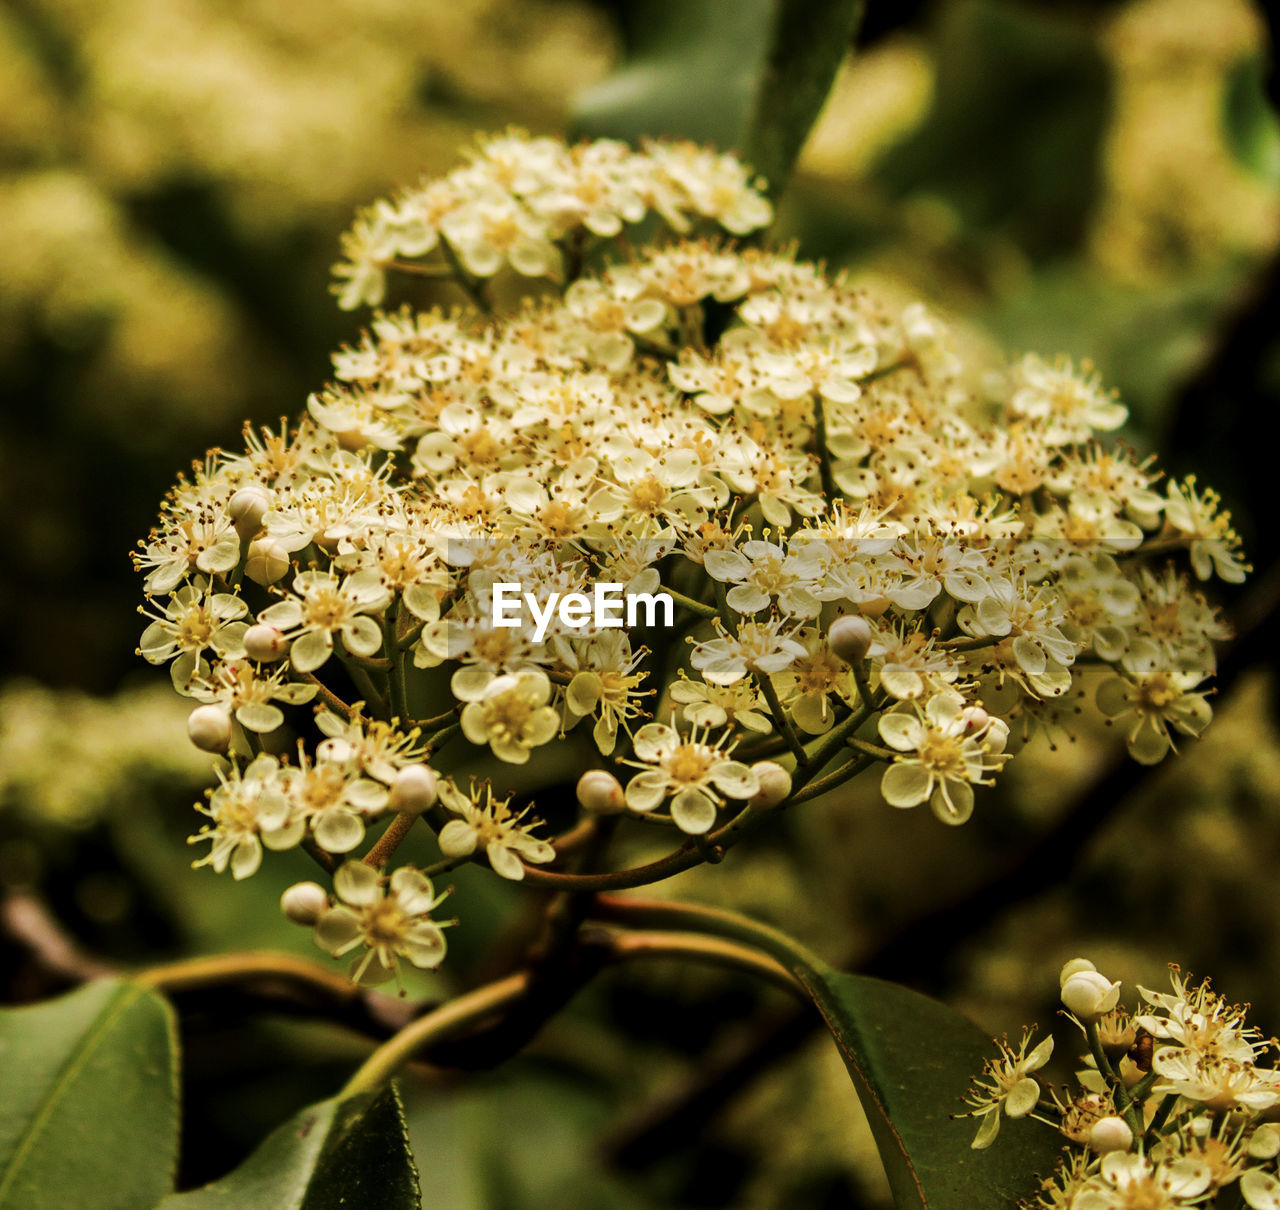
pixel 600 793
pixel 1089 994
pixel 1110 1134
pixel 266 562
pixel 415 789
pixel 264 643
pixel 304 902
pixel 775 785
pixel 209 728
pixel 850 637
pixel 1074 966
pixel 975 719
pixel 247 508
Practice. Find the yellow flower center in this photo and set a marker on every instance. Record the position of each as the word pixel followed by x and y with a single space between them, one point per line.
pixel 648 495
pixel 326 610
pixel 1155 694
pixel 944 754
pixel 196 628
pixel 689 763
pixel 383 924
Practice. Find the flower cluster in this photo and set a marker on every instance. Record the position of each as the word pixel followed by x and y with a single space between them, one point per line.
pixel 527 203
pixel 1174 1103
pixel 877 553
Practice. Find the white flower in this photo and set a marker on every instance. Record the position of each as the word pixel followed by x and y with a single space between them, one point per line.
pixel 942 757
pixel 488 823
pixel 1069 405
pixel 512 715
pixel 711 706
pixel 194 620
pixel 327 605
pixel 756 647
pixel 1150 697
pixel 248 809
pixel 1006 1087
pixel 333 799
pixel 392 921
pixel 1214 544
pixel 1128 1180
pixel 240 687
pixel 698 776
pixel 762 572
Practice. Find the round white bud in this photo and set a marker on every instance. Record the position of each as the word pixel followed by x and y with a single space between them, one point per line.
pixel 601 793
pixel 209 728
pixel 1110 1134
pixel 266 562
pixel 975 719
pixel 264 643
pixel 247 508
pixel 850 637
pixel 775 785
pixel 415 788
pixel 1089 994
pixel 1074 967
pixel 304 902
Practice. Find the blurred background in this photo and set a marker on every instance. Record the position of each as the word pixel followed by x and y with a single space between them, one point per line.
pixel 1097 179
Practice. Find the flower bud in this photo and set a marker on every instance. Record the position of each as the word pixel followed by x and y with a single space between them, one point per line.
pixel 304 902
pixel 264 643
pixel 415 788
pixel 1072 967
pixel 1110 1134
pixel 1089 994
pixel 975 719
pixel 247 508
pixel 850 637
pixel 775 785
pixel 266 562
pixel 600 793
pixel 209 728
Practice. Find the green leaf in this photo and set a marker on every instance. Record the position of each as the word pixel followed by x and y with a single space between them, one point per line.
pixel 341 1153
pixel 88 1116
pixel 911 1059
pixel 748 76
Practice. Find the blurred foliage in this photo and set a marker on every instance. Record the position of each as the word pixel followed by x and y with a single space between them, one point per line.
pixel 1096 179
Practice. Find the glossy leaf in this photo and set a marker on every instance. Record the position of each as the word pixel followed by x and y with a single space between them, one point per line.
pixel 88 1111
pixel 749 76
pixel 346 1153
pixel 911 1059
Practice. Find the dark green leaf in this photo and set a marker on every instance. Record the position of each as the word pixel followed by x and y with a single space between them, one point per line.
pixel 911 1059
pixel 88 1115
pixel 337 1154
pixel 748 76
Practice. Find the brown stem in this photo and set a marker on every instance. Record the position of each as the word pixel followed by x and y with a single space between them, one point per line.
pixel 389 841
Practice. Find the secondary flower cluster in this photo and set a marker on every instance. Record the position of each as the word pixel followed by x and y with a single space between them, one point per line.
pixel 873 561
pixel 519 198
pixel 1174 1105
